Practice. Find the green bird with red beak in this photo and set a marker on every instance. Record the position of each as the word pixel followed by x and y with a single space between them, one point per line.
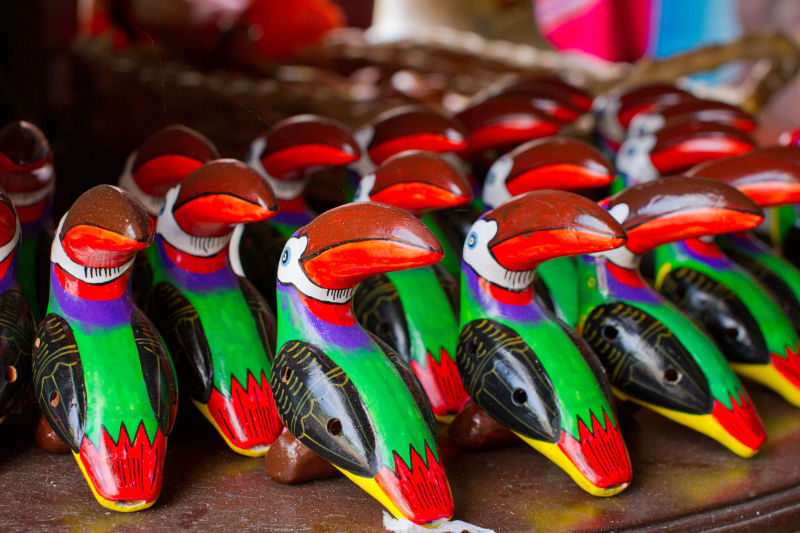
pixel 342 392
pixel 414 311
pixel 217 326
pixel 519 364
pixel 655 355
pixel 104 380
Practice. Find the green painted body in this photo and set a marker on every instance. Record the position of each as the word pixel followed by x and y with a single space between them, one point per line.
pixel 397 419
pixel 776 328
pixel 766 257
pixel 432 326
pixel 451 261
pixel 116 391
pixel 596 288
pixel 234 343
pixel 575 385
pixel 560 276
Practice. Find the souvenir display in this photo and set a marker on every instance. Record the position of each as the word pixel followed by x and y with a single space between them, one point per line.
pixel 343 393
pixel 415 311
pixel 219 330
pixel 102 376
pixel 26 174
pixel 518 363
pixel 653 354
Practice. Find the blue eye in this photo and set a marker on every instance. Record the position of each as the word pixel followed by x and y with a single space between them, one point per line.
pixel 490 177
pixel 631 150
pixel 285 257
pixel 472 240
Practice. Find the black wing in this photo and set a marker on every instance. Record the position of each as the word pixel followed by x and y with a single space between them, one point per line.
pixel 378 309
pixel 260 251
pixel 449 285
pixel 157 371
pixel 322 408
pixel 16 338
pixel 178 322
pixel 505 378
pixel 58 379
pixel 720 311
pixel 262 314
pixel 644 359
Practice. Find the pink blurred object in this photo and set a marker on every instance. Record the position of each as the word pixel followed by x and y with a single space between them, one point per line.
pixel 614 30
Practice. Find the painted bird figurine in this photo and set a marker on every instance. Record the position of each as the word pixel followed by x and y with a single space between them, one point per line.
pixel 655 355
pixel 286 156
pixel 415 311
pixel 698 110
pixel 160 163
pixel 342 392
pixel 26 173
pixel 102 376
pixel 218 328
pixel 518 363
pixel 17 326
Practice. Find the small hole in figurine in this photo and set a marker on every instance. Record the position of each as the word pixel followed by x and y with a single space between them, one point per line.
pixel 610 333
pixel 54 399
pixel 519 396
pixel 11 374
pixel 334 427
pixel 672 376
pixel 286 375
pixel 732 333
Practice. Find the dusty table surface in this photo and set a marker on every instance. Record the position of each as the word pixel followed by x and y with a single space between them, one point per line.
pixel 682 480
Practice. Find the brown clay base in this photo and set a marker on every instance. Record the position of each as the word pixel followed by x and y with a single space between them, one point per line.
pixel 682 481
pixel 288 461
pixel 47 439
pixel 473 429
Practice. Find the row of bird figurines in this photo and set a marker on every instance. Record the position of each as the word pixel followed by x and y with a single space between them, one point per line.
pixel 463 285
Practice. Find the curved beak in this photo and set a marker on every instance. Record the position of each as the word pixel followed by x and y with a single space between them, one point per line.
pixel 418 492
pixel 557 163
pixel 680 207
pixel 352 242
pixel 417 181
pixel 684 145
pixel 502 121
pixel 575 96
pixel 541 225
pixel 105 227
pixel 307 141
pixel 221 194
pixel 767 180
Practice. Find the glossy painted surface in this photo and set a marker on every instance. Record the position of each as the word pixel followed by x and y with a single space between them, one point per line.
pixel 414 311
pixel 162 161
pixel 369 417
pixel 654 355
pixel 26 174
pixel 114 413
pixel 574 95
pixel 503 121
pixel 285 156
pixel 518 363
pixel 678 148
pixel 217 327
pixel 698 110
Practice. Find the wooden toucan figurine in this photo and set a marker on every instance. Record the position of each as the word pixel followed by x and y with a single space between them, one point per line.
pixel 697 110
pixel 26 173
pixel 160 163
pixel 416 127
pixel 518 363
pixel 411 127
pixel 342 392
pixel 285 156
pixel 556 162
pixel 615 110
pixel 678 148
pixel 17 326
pixel 744 319
pixel 495 125
pixel 415 311
pixel 653 354
pixel 102 376
pixel 217 327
